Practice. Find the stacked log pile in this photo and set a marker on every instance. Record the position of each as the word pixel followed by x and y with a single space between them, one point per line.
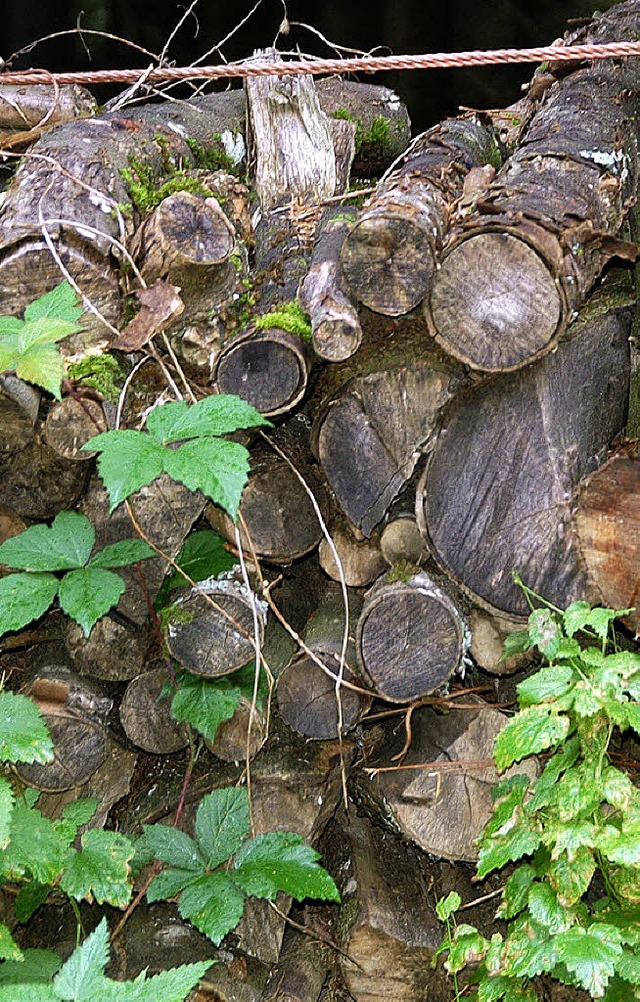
pixel 447 369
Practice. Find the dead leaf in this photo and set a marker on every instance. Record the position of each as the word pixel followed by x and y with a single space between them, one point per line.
pixel 161 303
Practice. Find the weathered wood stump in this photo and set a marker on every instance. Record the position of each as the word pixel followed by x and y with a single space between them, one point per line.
pixel 145 714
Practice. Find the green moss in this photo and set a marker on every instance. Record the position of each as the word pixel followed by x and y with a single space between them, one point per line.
pixel 175 615
pixel 402 571
pixel 289 317
pixel 211 159
pixel 378 134
pixel 494 156
pixel 145 191
pixel 102 372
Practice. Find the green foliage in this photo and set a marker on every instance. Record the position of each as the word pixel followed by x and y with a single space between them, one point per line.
pixel 202 556
pixel 378 134
pixel 288 317
pixel 212 874
pixel 206 703
pixel 202 461
pixel 147 191
pixel 87 588
pixel 82 977
pixel 208 158
pixel 27 347
pixel 579 820
pixel 103 373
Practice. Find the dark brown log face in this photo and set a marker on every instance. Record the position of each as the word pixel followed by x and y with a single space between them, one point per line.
pixel 388 263
pixel 496 494
pixel 410 638
pixel 308 702
pixel 510 307
pixel 146 715
pixel 204 639
pixel 269 369
pixel 79 749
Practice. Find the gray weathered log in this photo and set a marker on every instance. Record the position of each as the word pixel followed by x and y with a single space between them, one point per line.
pixel 145 714
pixel 25 107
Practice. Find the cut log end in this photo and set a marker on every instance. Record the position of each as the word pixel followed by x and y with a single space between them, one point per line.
pixel 268 369
pixel 388 263
pixel 307 699
pixel 494 303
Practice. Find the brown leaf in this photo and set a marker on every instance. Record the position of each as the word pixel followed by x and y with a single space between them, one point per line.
pixel 161 303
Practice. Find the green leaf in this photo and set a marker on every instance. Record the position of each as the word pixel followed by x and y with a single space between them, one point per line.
pixel 80 812
pixel 35 847
pixel 64 545
pixel 101 870
pixel 620 847
pixel 81 977
pixel 591 961
pixel 600 620
pixel 215 415
pixel 122 554
pixel 280 861
pixel 128 461
pixel 546 910
pixel 570 879
pixel 214 904
pixel 575 617
pixel 544 786
pixel 172 846
pixel 628 967
pixel 42 333
pixel 10 325
pixel 168 883
pixel 30 897
pixel 508 989
pixel 88 594
pixel 468 947
pixel 170 986
pixel 538 956
pixel 214 466
pixel 222 824
pixel 23 733
pixel 6 804
pixel 545 631
pixel 205 703
pixel 545 685
pixel 60 303
pixel 25 597
pixel 568 837
pixel 617 788
pixel 516 891
pixel 510 847
pixel 529 732
pixel 27 990
pixel 9 950
pixel 518 642
pixel 203 555
pixel 43 366
pixel 37 966
pixel 445 907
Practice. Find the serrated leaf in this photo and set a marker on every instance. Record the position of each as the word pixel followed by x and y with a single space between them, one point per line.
pixel 281 861
pixel 497 852
pixel 6 805
pixel 620 847
pixel 9 949
pixel 507 795
pixel 30 897
pixel 600 620
pixel 575 617
pixel 545 685
pixel 27 990
pixel 445 907
pixel 43 332
pixel 101 870
pixel 531 731
pixel 169 883
pixel 624 714
pixel 505 988
pixel 516 890
pixel 215 415
pixel 44 366
pixel 214 905
pixel 80 812
pixel 586 702
pixel 545 784
pixel 122 554
pixel 10 325
pixel 23 733
pixel 172 985
pixel 81 977
pixel 88 594
pixel 214 466
pixel 537 957
pixel 546 910
pixel 64 545
pixel 617 788
pixel 128 461
pixel 571 878
pixel 222 824
pixel 203 555
pixel 568 837
pixel 25 597
pixel 518 642
pixel 591 961
pixel 35 847
pixel 172 846
pixel 545 631
pixel 60 303
pixel 628 967
pixel 468 947
pixel 205 703
pixel 37 966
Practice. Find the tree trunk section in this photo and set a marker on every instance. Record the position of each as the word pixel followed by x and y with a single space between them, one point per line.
pixel 146 715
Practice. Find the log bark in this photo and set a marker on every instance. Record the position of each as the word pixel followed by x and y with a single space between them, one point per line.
pixel 335 324
pixel 23 108
pixel 513 272
pixel 146 715
pixel 307 697
pixel 410 638
pixel 389 257
pixel 497 490
pixel 368 436
pixel 607 521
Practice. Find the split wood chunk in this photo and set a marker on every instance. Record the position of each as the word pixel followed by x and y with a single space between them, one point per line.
pixel 268 368
pixel 496 494
pixel 305 961
pixel 75 713
pixel 37 483
pixel 145 715
pixel 389 257
pixel 114 651
pixel 335 324
pixel 411 637
pixel 607 520
pixel 10 525
pixel 307 696
pixel 488 634
pixel 360 559
pixel 16 428
pixel 210 631
pixel 515 270
pixel 276 511
pixel 368 437
pixel 70 423
pixel 401 541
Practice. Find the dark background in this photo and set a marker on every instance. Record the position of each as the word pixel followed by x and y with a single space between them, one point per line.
pixel 389 26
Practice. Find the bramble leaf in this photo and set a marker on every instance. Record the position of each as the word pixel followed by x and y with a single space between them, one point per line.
pixel 588 958
pixel 571 878
pixel 23 733
pixel 42 365
pixel 62 546
pixel 516 891
pixel 529 732
pixel 172 846
pixel 9 949
pixel 214 466
pixel 215 415
pixel 25 597
pixel 168 883
pixel 35 848
pixel 546 685
pixel 37 966
pixel 518 642
pixel 82 977
pixel 546 910
pixel 545 631
pixel 7 800
pixel 123 553
pixel 101 870
pixel 60 303
pixel 497 852
pixel 214 904
pixel 445 907
pixel 88 594
pixel 30 897
pixel 222 824
pixel 468 947
pixel 281 861
pixel 203 555
pixel 205 703
pixel 128 461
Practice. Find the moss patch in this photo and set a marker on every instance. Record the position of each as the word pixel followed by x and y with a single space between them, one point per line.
pixel 288 317
pixel 101 372
pixel 378 134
